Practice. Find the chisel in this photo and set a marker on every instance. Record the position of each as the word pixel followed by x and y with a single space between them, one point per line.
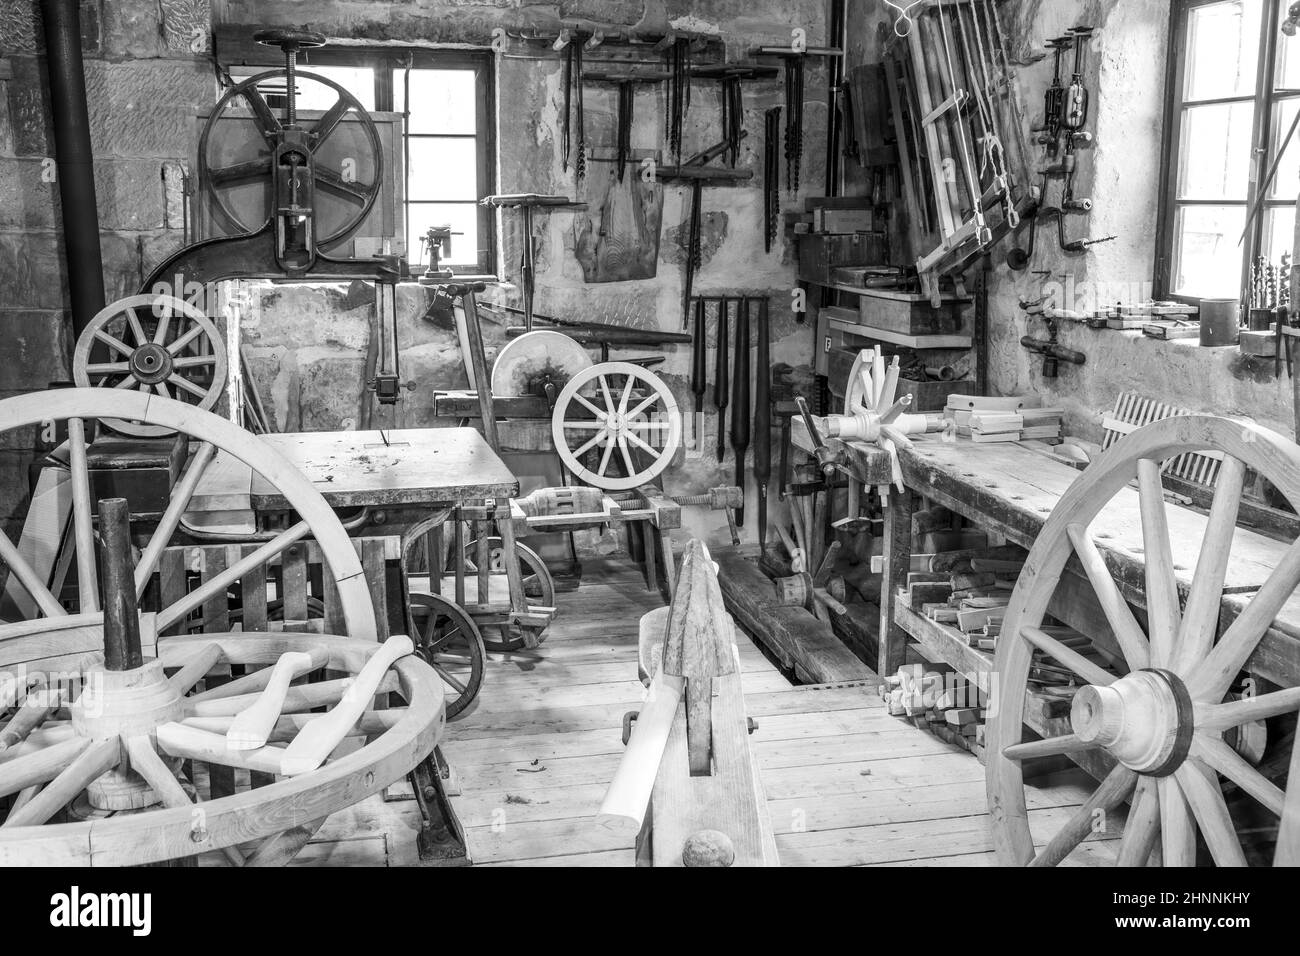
pixel 699 369
pixel 762 421
pixel 721 389
pixel 740 401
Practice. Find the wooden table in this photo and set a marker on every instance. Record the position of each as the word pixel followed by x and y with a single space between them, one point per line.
pixel 1009 489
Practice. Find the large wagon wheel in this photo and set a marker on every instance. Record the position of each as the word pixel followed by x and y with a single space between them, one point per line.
pixel 129 730
pixel 650 425
pixel 1163 721
pixel 448 640
pixel 539 588
pixel 152 343
pixel 75 405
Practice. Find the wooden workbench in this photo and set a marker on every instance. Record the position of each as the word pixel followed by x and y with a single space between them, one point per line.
pixel 1008 490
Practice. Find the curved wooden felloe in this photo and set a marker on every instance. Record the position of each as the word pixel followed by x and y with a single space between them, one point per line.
pixel 152 343
pixel 1163 720
pixel 618 425
pixel 75 405
pixel 182 727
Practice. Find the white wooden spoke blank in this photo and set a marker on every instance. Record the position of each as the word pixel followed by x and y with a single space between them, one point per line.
pixel 116 763
pixel 81 633
pixel 1160 719
pixel 152 343
pixel 620 411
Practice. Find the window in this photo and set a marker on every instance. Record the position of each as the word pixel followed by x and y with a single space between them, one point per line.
pixel 449 161
pixel 1234 89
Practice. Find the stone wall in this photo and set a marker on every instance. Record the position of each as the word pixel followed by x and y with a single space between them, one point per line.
pixel 145 83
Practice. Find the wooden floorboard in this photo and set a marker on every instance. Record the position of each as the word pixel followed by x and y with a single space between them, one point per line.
pixel 846 783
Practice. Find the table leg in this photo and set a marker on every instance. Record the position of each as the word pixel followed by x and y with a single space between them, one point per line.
pixel 896 558
pixel 510 558
pixel 670 571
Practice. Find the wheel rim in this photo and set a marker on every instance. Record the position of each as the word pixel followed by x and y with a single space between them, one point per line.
pixel 1177 673
pixel 215 180
pixel 580 425
pixel 75 405
pixel 397 741
pixel 448 640
pixel 152 343
pixel 539 587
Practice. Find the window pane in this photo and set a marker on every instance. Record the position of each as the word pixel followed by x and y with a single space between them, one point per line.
pixel 1207 259
pixel 1223 49
pixel 1215 151
pixel 314 95
pixel 442 101
pixel 1286 181
pixel 1279 233
pixel 462 217
pixel 1288 55
pixel 444 169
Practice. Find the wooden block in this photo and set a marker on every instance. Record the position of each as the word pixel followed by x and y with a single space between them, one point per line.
pixel 959 716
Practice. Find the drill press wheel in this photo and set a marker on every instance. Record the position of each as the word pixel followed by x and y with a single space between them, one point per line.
pixel 234 161
pixel 153 344
pixel 525 365
pixel 644 417
pixel 1156 719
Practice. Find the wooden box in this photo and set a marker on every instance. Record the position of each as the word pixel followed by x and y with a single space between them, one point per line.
pixel 821 255
pixel 141 470
pixel 909 314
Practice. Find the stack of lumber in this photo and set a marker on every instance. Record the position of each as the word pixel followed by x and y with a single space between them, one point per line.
pixel 1139 315
pixel 1006 418
pixel 944 703
pixel 1042 424
pixel 995 426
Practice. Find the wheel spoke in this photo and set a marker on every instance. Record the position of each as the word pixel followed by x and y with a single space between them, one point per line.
pixel 1234 713
pixel 455 684
pixel 1137 652
pixel 107 368
pixel 330 121
pixel 113 342
pixel 648 426
pixel 92 763
pixel 185 385
pixel 161 389
pixel 263 116
pixel 1161 587
pixel 1142 827
pixel 137 329
pixel 587 446
pixel 29 579
pixel 38 705
pixel 185 339
pixel 1050 747
pixel 128 382
pixel 1201 788
pixel 40 766
pixel 587 404
pixel 190 743
pixel 355 190
pixel 240 172
pixel 194 361
pixel 1201 616
pixel 164 325
pixel 87 575
pixel 1219 756
pixel 604 459
pixel 218 584
pixel 1114 790
pixel 583 425
pixel 627 456
pixel 1288 835
pixel 176 507
pixel 1177 836
pixel 636 439
pixel 1071 659
pixel 1210 679
pixel 196 667
pixel 604 390
pixel 625 398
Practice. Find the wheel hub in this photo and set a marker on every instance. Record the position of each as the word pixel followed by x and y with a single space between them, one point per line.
pixel 1144 720
pixel 151 363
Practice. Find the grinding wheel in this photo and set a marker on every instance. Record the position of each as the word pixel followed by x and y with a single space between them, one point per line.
pixel 526 365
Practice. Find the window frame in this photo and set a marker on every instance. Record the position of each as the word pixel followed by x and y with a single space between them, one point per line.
pixel 1265 99
pixel 383 61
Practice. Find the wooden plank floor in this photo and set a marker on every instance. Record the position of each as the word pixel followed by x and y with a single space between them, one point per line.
pixel 846 783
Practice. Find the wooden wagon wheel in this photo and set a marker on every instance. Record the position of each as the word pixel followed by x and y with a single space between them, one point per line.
pixel 1162 721
pixel 448 640
pixel 82 631
pixel 152 343
pixel 652 425
pixel 539 588
pixel 129 730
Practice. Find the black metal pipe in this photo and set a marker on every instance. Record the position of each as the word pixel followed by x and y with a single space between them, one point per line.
pixel 121 614
pixel 76 169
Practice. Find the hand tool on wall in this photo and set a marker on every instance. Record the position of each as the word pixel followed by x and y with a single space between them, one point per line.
pixel 733 116
pixel 580 162
pixel 1074 112
pixel 771 175
pixel 740 398
pixel 793 121
pixel 1054 98
pixel 782 395
pixel 762 420
pixel 625 82
pixel 721 388
pixel 699 371
pixel 566 118
pixel 528 202
pixel 679 92
pixel 835 89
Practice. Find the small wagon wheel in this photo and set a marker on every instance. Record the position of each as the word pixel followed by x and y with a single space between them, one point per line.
pixel 129 731
pixel 646 421
pixel 44 612
pixel 539 587
pixel 1162 721
pixel 152 343
pixel 230 165
pixel 448 640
